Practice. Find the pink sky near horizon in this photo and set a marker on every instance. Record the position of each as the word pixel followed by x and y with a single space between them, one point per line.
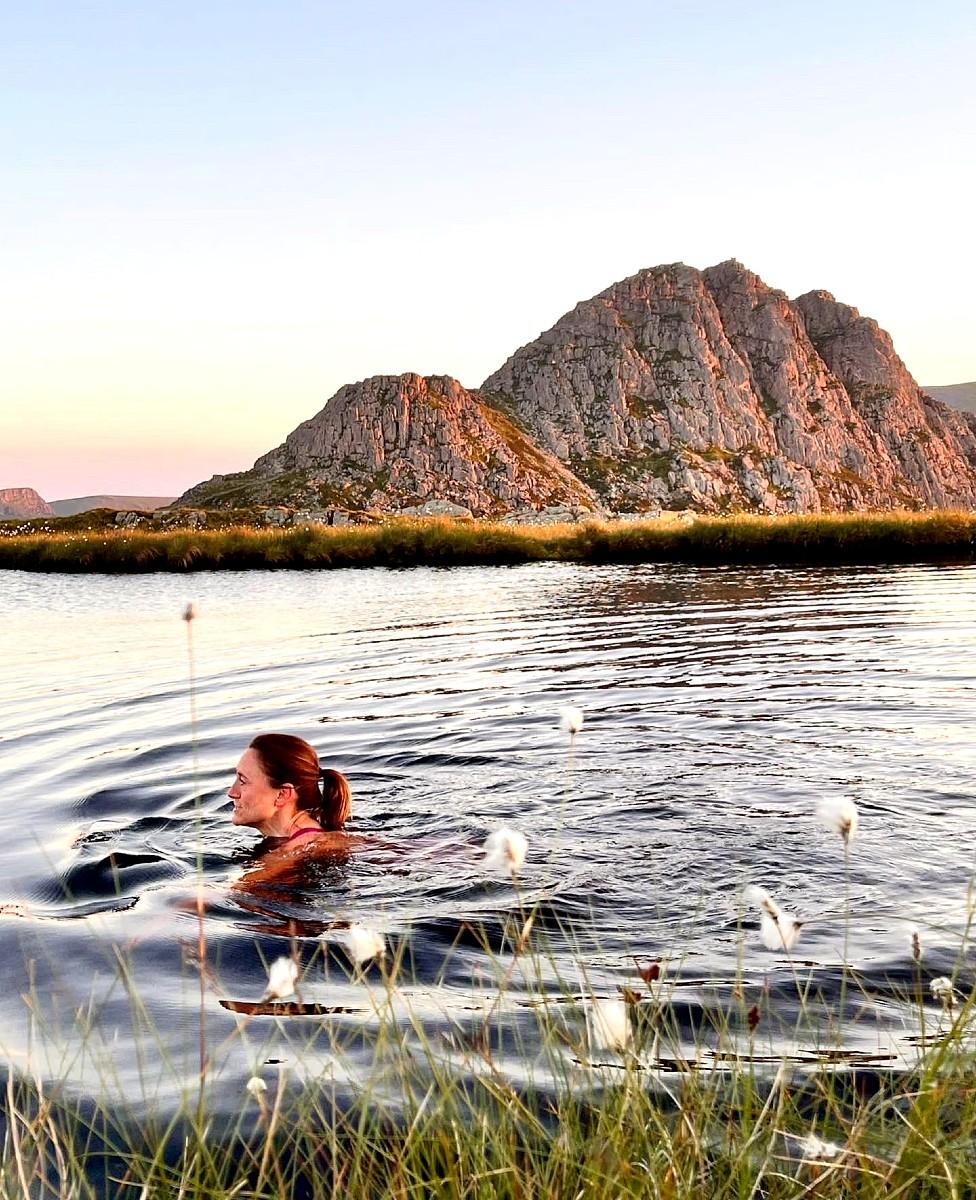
pixel 121 471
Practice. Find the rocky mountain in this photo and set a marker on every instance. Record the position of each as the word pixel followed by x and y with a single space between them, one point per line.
pixel 710 390
pixel 80 504
pixel 956 395
pixel 399 440
pixel 23 502
pixel 674 388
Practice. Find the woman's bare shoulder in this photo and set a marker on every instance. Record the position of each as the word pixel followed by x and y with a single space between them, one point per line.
pixel 328 841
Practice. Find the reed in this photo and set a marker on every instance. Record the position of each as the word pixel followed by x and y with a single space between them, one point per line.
pixel 849 538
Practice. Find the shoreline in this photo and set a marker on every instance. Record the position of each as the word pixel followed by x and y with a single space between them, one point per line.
pixel 740 540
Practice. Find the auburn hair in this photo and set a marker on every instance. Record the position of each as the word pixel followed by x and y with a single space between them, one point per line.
pixel 288 759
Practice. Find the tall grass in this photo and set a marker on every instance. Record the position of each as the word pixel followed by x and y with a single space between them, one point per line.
pixel 443 1114
pixel 813 539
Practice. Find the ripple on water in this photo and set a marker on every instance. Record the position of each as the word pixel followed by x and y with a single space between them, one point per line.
pixel 720 705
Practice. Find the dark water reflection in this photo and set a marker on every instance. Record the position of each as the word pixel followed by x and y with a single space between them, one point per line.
pixel 721 705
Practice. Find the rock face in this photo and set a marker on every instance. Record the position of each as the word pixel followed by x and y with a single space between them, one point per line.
pixel 393 442
pixel 956 395
pixel 23 502
pixel 710 390
pixel 673 389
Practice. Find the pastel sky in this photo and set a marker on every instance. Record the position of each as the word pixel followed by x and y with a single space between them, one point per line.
pixel 214 214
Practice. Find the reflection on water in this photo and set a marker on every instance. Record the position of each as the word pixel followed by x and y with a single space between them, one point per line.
pixel 720 705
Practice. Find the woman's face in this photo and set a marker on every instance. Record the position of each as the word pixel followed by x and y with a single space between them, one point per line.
pixel 254 797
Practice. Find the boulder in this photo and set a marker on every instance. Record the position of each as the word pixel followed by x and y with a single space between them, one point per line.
pixel 436 508
pixel 130 520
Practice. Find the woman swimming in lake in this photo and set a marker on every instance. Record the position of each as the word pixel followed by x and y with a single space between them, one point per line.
pixel 280 790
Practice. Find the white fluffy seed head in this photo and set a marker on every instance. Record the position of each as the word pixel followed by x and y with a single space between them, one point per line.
pixel 779 932
pixel 256 1086
pixel 815 1149
pixel 364 943
pixel 282 977
pixel 943 990
pixel 571 719
pixel 608 1025
pixel 505 850
pixel 839 816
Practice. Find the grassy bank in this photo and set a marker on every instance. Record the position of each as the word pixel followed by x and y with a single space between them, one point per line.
pixel 825 539
pixel 494 1143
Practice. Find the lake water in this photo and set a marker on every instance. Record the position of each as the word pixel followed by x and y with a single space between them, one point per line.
pixel 720 706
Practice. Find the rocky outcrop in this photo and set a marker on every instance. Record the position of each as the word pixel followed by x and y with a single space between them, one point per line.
pixel 23 502
pixel 393 442
pixel 673 389
pixel 436 508
pixel 708 389
pixel 956 395
pixel 922 445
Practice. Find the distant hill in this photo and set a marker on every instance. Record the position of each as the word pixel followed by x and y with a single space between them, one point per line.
pixel 956 395
pixel 68 508
pixel 23 502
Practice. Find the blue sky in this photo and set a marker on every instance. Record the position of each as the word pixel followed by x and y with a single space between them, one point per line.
pixel 214 215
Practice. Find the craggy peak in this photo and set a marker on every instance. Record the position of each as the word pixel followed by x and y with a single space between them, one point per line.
pixel 675 388
pixel 23 502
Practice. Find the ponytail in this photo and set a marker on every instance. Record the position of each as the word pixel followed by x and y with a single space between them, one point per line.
pixel 336 800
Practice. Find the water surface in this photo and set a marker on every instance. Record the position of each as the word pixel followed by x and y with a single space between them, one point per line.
pixel 720 706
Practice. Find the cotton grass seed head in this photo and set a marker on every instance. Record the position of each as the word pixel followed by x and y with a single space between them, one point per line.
pixel 943 991
pixel 505 850
pixel 814 1149
pixel 364 943
pixel 839 816
pixel 779 932
pixel 570 720
pixel 256 1086
pixel 282 977
pixel 608 1025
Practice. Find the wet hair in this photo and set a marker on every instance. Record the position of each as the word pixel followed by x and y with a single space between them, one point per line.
pixel 324 794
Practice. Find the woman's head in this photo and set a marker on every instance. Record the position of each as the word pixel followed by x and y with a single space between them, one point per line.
pixel 279 771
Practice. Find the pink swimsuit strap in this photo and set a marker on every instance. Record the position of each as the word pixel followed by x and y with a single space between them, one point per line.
pixel 299 832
